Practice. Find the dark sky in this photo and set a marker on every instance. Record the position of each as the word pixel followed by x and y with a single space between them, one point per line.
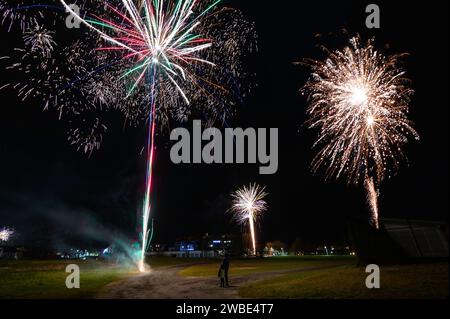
pixel 46 187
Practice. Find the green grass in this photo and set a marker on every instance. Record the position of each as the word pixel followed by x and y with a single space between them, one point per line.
pixel 156 262
pixel 46 279
pixel 348 282
pixel 249 266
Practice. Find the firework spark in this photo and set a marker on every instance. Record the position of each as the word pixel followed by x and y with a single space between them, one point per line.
pixel 162 38
pixel 40 39
pixel 6 234
pixel 359 102
pixel 248 206
pixel 13 13
pixel 372 200
pixel 87 136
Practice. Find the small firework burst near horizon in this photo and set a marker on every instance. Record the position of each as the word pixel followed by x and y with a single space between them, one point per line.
pixel 359 102
pixel 248 205
pixel 6 234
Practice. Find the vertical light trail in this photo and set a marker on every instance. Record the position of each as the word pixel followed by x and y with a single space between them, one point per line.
pixel 149 178
pixel 252 231
pixel 372 199
pixel 148 191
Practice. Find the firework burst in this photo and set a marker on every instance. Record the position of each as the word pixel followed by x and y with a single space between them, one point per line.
pixel 6 234
pixel 248 206
pixel 93 73
pixel 358 101
pixel 40 39
pixel 152 60
pixel 163 47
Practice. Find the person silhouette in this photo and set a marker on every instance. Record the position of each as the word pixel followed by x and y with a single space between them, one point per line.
pixel 221 275
pixel 226 267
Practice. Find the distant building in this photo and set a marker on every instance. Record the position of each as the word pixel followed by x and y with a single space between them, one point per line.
pixel 207 246
pixel 9 253
pixel 82 254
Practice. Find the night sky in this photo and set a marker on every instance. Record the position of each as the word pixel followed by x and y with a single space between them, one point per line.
pixel 51 193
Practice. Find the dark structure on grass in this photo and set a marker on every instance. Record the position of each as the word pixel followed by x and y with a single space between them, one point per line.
pixel 400 240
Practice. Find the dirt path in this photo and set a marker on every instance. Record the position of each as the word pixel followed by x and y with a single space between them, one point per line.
pixel 166 283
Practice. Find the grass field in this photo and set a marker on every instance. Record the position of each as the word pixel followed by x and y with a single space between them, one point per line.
pixel 348 282
pixel 172 261
pixel 46 279
pixel 249 266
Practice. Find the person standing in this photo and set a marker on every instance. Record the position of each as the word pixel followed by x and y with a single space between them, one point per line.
pixel 221 275
pixel 226 267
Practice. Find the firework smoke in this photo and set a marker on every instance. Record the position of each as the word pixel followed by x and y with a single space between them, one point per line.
pixel 358 101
